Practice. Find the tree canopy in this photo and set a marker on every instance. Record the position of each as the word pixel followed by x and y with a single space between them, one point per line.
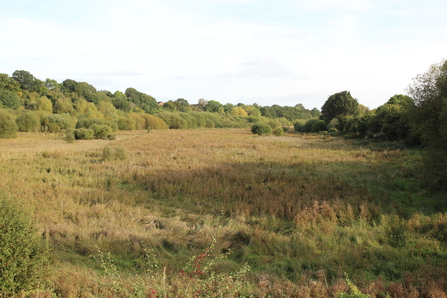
pixel 339 105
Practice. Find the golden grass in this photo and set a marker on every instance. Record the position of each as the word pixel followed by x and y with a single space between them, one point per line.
pixel 304 204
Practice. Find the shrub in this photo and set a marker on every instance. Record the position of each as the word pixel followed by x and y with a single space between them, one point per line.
pixel 173 120
pixel 28 121
pixel 23 254
pixel 101 131
pixel 279 131
pixel 56 122
pixel 8 127
pixel 126 123
pixel 191 121
pixel 154 122
pixel 319 125
pixel 84 134
pixel 69 136
pixel 298 125
pixel 261 128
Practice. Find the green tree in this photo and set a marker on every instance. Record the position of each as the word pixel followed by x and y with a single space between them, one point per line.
pixel 28 82
pixel 429 120
pixel 214 107
pixel 9 99
pixel 339 105
pixel 318 126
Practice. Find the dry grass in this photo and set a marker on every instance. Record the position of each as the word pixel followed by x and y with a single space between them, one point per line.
pixel 300 210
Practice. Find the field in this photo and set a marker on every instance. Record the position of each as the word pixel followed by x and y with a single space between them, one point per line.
pixel 197 213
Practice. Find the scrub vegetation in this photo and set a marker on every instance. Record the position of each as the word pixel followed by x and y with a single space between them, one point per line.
pixel 115 195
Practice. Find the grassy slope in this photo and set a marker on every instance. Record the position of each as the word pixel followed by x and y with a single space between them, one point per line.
pixel 301 211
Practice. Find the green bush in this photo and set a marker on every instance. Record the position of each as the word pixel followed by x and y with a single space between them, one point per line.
pixel 154 122
pixel 173 120
pixel 56 122
pixel 83 134
pixel 319 125
pixel 126 123
pixel 279 131
pixel 69 136
pixel 101 131
pixel 8 127
pixel 23 254
pixel 261 128
pixel 28 121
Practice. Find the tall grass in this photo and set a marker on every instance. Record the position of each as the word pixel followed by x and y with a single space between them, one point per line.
pixel 300 211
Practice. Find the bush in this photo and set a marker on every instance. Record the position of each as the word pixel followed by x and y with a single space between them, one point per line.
pixel 126 124
pixel 23 254
pixel 56 122
pixel 261 128
pixel 173 120
pixel 84 134
pixel 319 125
pixel 28 121
pixel 69 136
pixel 8 127
pixel 101 131
pixel 154 122
pixel 279 131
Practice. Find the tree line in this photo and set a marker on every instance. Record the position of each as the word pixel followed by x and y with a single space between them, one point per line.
pixel 30 104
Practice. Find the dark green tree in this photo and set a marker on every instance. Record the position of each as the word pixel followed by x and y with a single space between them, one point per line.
pixel 429 119
pixel 339 105
pixel 28 82
pixel 9 99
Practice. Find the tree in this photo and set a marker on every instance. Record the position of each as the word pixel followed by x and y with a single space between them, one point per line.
pixel 9 99
pixel 214 107
pixel 429 119
pixel 261 128
pixel 28 82
pixel 339 105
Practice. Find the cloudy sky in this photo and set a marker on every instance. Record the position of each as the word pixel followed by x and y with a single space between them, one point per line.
pixel 251 51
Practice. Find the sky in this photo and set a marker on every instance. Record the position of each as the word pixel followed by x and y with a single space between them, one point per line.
pixel 233 51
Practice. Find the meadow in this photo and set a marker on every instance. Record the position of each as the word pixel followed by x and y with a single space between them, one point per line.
pixel 226 213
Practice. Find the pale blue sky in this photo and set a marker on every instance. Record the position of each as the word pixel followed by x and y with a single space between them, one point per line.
pixel 250 51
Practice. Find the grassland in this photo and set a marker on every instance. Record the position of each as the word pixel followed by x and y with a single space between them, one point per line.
pixel 184 213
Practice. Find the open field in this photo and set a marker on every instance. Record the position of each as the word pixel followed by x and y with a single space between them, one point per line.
pixel 222 211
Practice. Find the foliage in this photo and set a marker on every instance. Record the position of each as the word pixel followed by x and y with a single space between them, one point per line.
pixel 8 127
pixel 56 122
pixel 83 134
pixel 261 128
pixel 9 99
pixel 126 123
pixel 213 106
pixel 28 121
pixel 339 105
pixel 154 122
pixel 69 136
pixel 23 254
pixel 354 291
pixel 173 120
pixel 429 119
pixel 101 131
pixel 279 131
pixel 318 126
